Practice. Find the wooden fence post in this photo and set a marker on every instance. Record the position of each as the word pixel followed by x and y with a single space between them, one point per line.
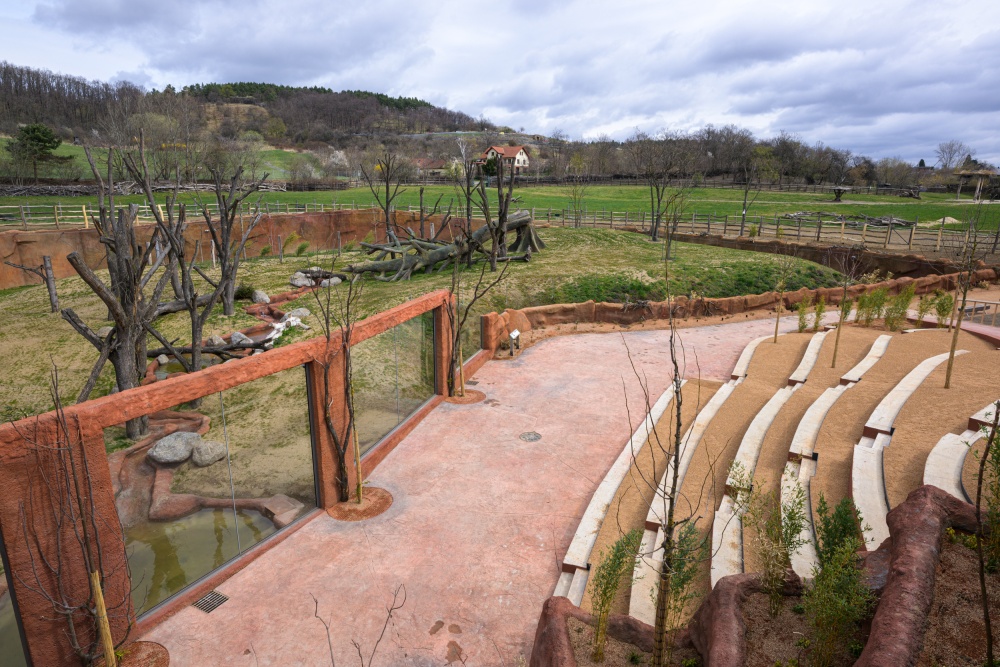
pixel 937 246
pixel 888 234
pixel 24 219
pixel 864 232
pixel 86 219
pixel 819 227
pixel 909 244
pixel 281 251
pixel 55 214
pixel 842 223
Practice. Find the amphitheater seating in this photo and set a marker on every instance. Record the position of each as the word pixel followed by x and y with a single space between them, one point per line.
pixel 576 562
pixel 727 530
pixel 867 475
pixel 650 555
pixel 801 465
pixel 946 461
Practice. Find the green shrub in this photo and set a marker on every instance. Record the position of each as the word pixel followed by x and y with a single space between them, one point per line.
pixel 871 305
pixel 837 601
pixel 818 313
pixel 836 528
pixel 244 292
pixel 924 307
pixel 879 299
pixel 615 564
pixel 845 308
pixel 943 304
pixel 803 312
pixel 265 251
pixel 292 238
pixel 301 250
pixel 896 308
pixel 778 536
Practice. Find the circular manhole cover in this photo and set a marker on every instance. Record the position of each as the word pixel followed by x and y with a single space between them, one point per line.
pixel 530 436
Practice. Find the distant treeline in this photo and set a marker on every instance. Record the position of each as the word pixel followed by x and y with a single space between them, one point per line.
pixel 75 107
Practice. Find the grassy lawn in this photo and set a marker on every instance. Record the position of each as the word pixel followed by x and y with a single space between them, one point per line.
pixel 577 265
pixel 635 199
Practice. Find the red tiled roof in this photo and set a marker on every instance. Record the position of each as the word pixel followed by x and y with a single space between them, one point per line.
pixel 509 152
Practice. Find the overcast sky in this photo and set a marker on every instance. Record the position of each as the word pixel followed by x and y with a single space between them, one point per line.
pixel 886 78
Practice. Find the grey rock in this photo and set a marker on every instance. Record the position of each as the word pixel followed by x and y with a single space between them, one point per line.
pixel 297 312
pixel 330 282
pixel 207 452
pixel 174 448
pixel 241 340
pixel 260 296
pixel 163 360
pixel 104 331
pixel 300 279
pixel 216 341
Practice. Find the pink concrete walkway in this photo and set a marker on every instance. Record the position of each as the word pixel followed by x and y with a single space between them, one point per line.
pixel 480 521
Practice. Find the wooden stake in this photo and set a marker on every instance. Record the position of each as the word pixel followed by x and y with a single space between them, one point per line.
pixel 103 627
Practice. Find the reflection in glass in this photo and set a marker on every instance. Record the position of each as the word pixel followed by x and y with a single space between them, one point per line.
pixel 472 340
pixel 248 474
pixel 393 377
pixel 270 445
pixel 11 649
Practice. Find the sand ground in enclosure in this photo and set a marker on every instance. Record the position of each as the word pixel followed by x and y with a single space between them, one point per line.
pixel 854 345
pixel 704 484
pixel 933 411
pixel 844 424
pixel 630 505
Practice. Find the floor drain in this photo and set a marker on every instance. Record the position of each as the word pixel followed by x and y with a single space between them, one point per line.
pixel 530 436
pixel 210 602
pixel 472 382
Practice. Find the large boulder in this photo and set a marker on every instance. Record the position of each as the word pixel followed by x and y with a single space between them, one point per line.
pixel 300 279
pixel 207 452
pixel 260 296
pixel 296 312
pixel 174 448
pixel 163 360
pixel 216 341
pixel 330 282
pixel 241 340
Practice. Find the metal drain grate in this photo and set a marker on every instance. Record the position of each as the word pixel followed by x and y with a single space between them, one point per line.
pixel 210 602
pixel 472 382
pixel 530 436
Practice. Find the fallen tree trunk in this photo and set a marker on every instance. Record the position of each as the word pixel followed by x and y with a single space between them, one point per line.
pixel 416 254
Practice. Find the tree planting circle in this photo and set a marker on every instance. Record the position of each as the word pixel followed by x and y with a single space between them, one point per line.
pixel 531 436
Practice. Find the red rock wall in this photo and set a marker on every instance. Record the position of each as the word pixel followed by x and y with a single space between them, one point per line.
pixel 319 229
pixel 497 328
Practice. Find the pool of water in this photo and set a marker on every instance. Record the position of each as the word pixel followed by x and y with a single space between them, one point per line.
pixel 175 366
pixel 11 651
pixel 165 557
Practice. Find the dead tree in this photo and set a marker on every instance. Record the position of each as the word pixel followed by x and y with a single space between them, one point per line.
pixel 415 254
pixel 58 503
pixel 384 172
pixel 132 267
pixel 231 188
pixel 457 316
pixel 45 273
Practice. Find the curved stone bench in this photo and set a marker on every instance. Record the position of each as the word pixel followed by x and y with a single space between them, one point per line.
pixel 577 557
pixel 727 530
pixel 801 466
pixel 650 556
pixel 867 474
pixel 946 461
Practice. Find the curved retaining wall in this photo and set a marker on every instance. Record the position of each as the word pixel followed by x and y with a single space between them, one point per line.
pixel 497 326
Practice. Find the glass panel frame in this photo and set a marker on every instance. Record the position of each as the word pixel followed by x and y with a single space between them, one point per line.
pixel 6 658
pixel 237 515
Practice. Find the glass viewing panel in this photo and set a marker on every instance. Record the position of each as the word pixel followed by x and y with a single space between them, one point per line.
pixel 393 377
pixel 11 648
pixel 249 474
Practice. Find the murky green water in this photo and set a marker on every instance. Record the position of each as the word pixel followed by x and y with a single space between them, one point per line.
pixel 11 651
pixel 167 556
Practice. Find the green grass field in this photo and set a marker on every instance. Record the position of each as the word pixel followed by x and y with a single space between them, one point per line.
pixel 577 265
pixel 634 199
